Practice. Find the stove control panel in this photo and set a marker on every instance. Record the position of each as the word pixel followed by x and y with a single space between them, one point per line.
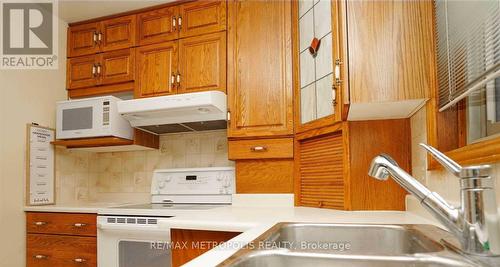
pixel 194 181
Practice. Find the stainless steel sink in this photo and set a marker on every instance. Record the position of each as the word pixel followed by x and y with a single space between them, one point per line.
pixel 317 245
pixel 352 239
pixel 276 258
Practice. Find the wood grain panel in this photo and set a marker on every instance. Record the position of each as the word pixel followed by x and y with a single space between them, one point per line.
pixel 197 243
pixel 322 169
pixel 156 64
pixel 368 139
pixel 202 17
pixel 101 90
pixel 261 149
pixel 260 68
pixel 202 63
pixel 117 66
pixel 81 72
pixel 141 138
pixel 264 176
pixel 61 223
pixel 390 50
pixel 156 26
pixel 60 251
pixel 81 39
pixel 118 33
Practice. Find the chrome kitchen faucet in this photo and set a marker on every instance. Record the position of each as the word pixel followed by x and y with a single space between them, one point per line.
pixel 475 223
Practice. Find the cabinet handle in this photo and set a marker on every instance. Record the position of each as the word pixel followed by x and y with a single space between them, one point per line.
pixel 337 72
pixel 79 260
pixel 79 224
pixel 99 37
pixel 179 22
pixel 95 37
pixel 178 80
pixel 40 223
pixel 99 69
pixel 172 80
pixel 259 149
pixel 94 70
pixel 40 257
pixel 174 23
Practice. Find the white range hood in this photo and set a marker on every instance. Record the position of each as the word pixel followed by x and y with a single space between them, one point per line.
pixel 177 113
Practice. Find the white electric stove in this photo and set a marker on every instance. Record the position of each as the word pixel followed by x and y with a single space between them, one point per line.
pixel 138 235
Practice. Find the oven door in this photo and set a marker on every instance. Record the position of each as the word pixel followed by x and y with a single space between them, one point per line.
pixel 132 245
pixel 81 118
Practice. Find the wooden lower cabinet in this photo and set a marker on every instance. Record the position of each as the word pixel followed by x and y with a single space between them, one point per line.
pixel 60 251
pixel 332 165
pixel 61 239
pixel 196 243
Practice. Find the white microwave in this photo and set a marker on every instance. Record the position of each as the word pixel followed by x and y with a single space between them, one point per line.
pixel 91 117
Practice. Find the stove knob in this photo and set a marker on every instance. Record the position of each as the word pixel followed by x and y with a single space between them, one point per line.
pixel 168 179
pixel 219 177
pixel 221 191
pixel 161 184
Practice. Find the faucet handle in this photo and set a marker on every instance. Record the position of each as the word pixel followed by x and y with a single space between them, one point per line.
pixel 455 168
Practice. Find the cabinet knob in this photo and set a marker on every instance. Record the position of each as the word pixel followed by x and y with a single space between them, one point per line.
pixel 98 69
pixel 99 37
pixel 94 70
pixel 174 23
pixel 259 149
pixel 178 80
pixel 172 80
pixel 95 37
pixel 79 260
pixel 40 223
pixel 79 224
pixel 40 257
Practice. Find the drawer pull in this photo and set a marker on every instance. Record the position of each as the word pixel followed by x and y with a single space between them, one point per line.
pixel 40 257
pixel 79 224
pixel 40 223
pixel 259 149
pixel 78 260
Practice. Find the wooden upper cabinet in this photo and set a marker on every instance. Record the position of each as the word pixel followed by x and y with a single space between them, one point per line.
pixel 82 72
pixel 260 68
pixel 82 39
pixel 117 66
pixel 157 25
pixel 390 50
pixel 202 17
pixel 118 33
pixel 202 63
pixel 156 68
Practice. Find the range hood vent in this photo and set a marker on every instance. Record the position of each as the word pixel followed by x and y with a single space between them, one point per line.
pixel 190 112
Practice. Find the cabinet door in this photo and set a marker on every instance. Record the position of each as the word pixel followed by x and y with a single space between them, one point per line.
pixel 82 39
pixel 155 68
pixel 118 33
pixel 117 66
pixel 157 26
pixel 260 68
pixel 202 63
pixel 81 72
pixel 202 17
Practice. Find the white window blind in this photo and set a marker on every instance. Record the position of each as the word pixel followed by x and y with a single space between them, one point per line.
pixel 468 47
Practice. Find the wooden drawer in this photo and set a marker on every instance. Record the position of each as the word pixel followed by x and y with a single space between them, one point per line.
pixel 61 223
pixel 281 148
pixel 61 251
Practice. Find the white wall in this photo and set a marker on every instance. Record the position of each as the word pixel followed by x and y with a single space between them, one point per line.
pixel 25 96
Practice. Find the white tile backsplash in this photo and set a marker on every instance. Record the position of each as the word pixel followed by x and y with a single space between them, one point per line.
pixel 85 176
pixel 324 62
pixel 306 28
pixel 322 18
pixel 324 96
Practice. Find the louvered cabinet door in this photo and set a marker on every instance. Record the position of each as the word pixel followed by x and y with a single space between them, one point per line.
pixel 321 169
